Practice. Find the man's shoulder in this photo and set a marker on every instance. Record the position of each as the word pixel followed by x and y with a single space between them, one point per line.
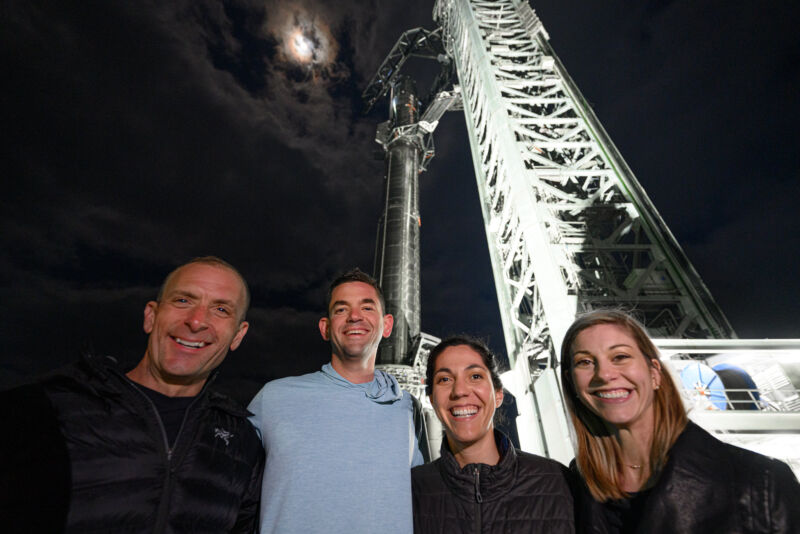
pixel 88 378
pixel 290 382
pixel 281 388
pixel 405 402
pixel 220 401
pixel 225 410
pixel 23 400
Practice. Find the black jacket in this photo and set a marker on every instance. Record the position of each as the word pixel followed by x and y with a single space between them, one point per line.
pixel 711 487
pixel 122 477
pixel 523 493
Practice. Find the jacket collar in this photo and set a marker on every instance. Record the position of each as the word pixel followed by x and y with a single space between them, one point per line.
pixel 106 378
pixel 492 482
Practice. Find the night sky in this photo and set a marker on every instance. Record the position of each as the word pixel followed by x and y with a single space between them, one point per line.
pixel 138 135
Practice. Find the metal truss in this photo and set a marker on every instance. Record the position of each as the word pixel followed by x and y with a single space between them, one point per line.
pixel 417 42
pixel 412 377
pixel 569 227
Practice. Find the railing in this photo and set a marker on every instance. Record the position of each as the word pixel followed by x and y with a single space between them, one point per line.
pixel 763 417
pixel 761 372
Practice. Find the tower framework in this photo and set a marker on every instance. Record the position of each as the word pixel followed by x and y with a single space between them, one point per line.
pixel 569 227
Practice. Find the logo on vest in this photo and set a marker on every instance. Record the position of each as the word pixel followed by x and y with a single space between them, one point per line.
pixel 223 434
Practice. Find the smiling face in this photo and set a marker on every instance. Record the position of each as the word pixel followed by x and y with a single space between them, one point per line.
pixel 613 378
pixel 355 323
pixel 464 397
pixel 191 329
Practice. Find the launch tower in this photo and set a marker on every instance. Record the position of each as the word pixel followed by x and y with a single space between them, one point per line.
pixel 570 229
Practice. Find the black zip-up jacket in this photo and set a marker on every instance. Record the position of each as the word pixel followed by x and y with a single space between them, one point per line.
pixel 122 475
pixel 523 493
pixel 706 486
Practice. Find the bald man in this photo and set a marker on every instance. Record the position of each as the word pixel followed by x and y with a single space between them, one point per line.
pixel 153 449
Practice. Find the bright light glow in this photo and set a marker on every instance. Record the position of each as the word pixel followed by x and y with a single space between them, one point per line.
pixel 302 47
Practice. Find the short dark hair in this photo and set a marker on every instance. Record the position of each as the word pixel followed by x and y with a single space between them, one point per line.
pixel 488 357
pixel 353 275
pixel 215 262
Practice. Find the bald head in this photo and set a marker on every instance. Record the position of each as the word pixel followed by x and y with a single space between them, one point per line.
pixel 214 262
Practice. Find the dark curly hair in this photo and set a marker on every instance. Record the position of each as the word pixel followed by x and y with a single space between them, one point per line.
pixel 488 357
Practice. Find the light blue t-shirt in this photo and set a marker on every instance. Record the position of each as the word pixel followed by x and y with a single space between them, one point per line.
pixel 338 454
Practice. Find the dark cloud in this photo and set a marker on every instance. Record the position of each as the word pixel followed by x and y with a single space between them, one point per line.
pixel 139 135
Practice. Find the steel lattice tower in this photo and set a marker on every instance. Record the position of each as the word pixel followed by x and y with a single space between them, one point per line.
pixel 570 229
pixel 568 225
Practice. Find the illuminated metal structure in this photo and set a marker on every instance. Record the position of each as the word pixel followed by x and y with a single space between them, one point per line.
pixel 408 145
pixel 397 254
pixel 570 229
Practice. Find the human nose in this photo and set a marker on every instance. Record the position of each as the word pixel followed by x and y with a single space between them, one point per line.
pixel 197 318
pixel 354 315
pixel 604 371
pixel 459 389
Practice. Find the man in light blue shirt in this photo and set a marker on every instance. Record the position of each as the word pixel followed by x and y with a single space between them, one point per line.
pixel 340 442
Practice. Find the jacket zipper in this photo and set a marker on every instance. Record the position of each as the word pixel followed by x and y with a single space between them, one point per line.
pixel 478 499
pixel 163 508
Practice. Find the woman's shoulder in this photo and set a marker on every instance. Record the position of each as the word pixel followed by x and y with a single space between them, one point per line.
pixel 695 442
pixel 758 469
pixel 732 482
pixel 546 471
pixel 698 455
pixel 421 472
pixel 540 464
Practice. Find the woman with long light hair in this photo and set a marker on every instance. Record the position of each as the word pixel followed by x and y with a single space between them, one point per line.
pixel 642 465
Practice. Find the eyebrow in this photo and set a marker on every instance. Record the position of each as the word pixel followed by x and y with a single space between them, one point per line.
pixel 186 293
pixel 181 293
pixel 227 302
pixel 612 347
pixel 345 303
pixel 447 369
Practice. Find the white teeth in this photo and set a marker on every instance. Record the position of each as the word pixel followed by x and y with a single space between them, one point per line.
pixel 616 394
pixel 191 344
pixel 463 412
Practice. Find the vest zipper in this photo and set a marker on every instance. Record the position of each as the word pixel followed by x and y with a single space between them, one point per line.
pixel 478 498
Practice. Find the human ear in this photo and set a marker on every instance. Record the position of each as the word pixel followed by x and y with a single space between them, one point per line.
pixel 498 398
pixel 324 328
pixel 237 339
pixel 655 372
pixel 150 316
pixel 388 324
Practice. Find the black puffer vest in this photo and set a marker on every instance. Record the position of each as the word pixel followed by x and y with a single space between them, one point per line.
pixel 523 493
pixel 125 477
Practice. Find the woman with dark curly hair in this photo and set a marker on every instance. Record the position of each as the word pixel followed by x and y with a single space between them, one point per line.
pixel 644 466
pixel 481 483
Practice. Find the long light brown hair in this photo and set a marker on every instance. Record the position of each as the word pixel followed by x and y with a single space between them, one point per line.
pixel 599 456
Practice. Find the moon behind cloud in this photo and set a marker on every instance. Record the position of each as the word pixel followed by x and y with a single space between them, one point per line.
pixel 305 40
